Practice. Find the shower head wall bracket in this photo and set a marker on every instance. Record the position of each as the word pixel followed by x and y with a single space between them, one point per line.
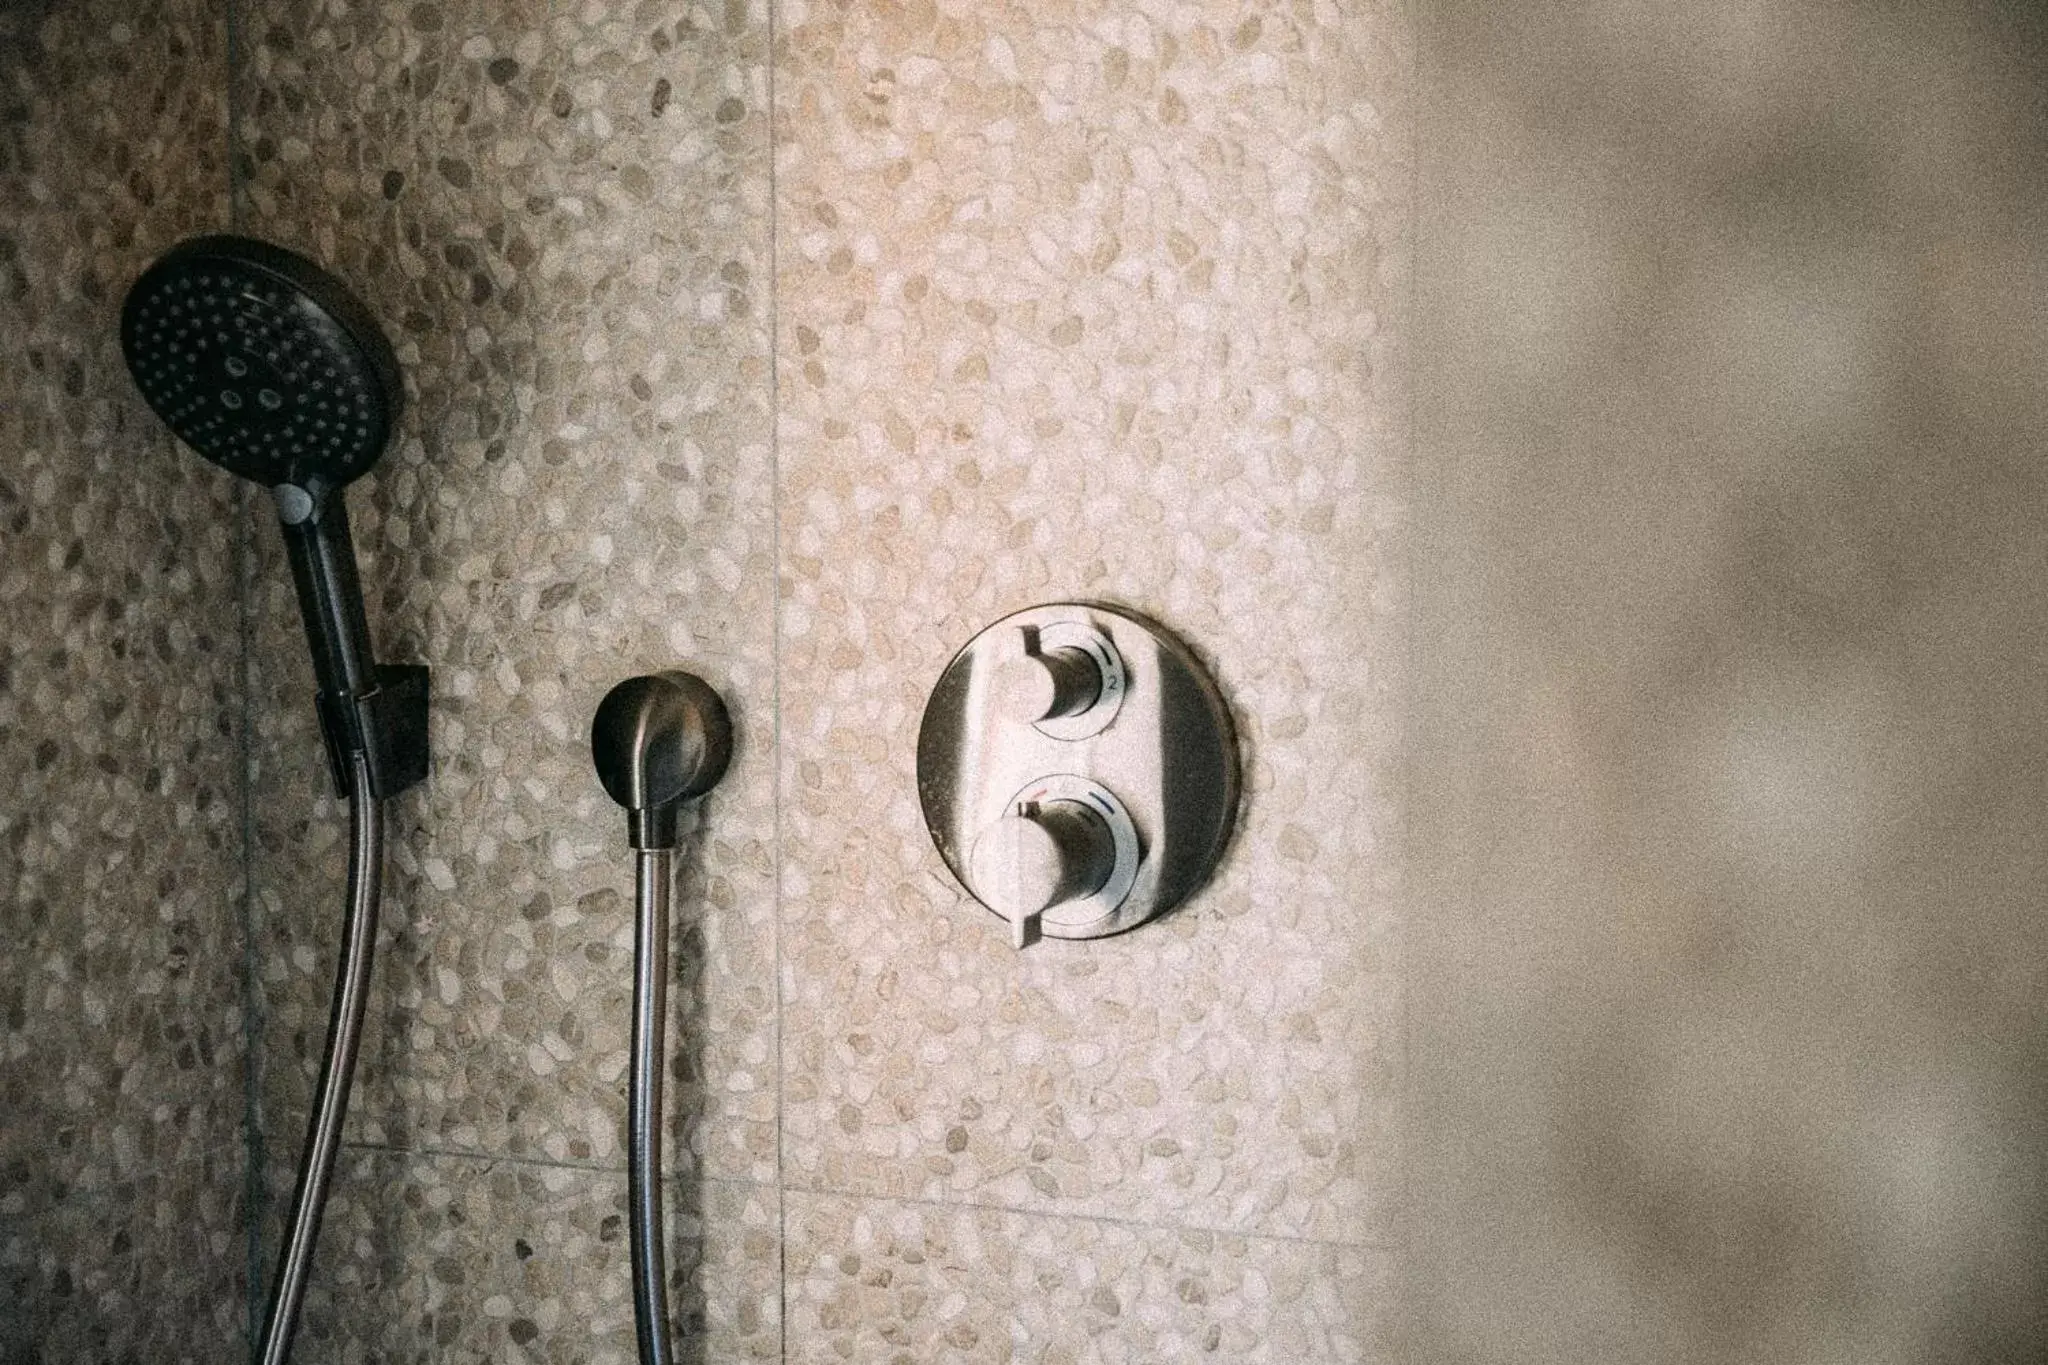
pixel 386 724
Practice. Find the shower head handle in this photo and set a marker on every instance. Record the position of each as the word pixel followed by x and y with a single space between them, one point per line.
pixel 323 560
pixel 365 708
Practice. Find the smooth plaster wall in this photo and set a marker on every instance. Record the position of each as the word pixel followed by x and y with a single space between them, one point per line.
pixel 1727 826
pixel 793 351
pixel 122 1044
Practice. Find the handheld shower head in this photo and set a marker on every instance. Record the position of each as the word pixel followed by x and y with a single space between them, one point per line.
pixel 265 365
pixel 262 362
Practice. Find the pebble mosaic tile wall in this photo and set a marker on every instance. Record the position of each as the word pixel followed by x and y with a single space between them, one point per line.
pixel 432 1259
pixel 575 275
pixel 121 1036
pixel 1086 302
pixel 879 1280
pixel 793 348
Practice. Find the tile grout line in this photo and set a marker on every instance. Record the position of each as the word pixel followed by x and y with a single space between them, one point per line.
pixel 537 1163
pixel 774 298
pixel 1107 1220
pixel 1405 782
pixel 831 1192
pixel 253 1145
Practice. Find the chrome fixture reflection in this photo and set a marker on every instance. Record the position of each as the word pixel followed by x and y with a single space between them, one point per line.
pixel 265 365
pixel 657 741
pixel 1078 770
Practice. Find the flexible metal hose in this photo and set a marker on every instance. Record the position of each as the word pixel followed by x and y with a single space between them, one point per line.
pixel 337 1067
pixel 643 1104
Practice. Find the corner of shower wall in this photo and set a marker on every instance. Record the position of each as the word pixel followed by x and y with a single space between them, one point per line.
pixel 122 1159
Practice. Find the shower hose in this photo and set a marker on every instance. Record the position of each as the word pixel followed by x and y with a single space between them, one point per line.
pixel 651 873
pixel 337 1067
pixel 344 1032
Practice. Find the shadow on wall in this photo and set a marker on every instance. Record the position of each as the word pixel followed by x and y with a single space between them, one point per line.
pixel 1730 778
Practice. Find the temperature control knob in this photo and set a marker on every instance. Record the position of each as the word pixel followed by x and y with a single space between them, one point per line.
pixel 1041 855
pixel 1064 848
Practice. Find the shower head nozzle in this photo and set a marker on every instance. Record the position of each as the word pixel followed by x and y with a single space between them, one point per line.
pixel 262 362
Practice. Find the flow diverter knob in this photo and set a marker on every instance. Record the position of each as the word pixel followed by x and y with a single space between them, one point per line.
pixel 1060 682
pixel 1065 679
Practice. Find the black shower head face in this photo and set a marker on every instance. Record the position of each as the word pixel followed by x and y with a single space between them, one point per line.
pixel 262 362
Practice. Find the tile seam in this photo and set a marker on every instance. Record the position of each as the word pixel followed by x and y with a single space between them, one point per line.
pixel 1108 1220
pixel 1406 782
pixel 539 1163
pixel 774 297
pixel 846 1193
pixel 254 1147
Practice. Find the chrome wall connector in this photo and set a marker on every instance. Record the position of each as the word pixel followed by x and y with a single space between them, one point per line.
pixel 656 741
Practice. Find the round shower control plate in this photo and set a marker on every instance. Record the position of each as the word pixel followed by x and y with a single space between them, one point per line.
pixel 1137 728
